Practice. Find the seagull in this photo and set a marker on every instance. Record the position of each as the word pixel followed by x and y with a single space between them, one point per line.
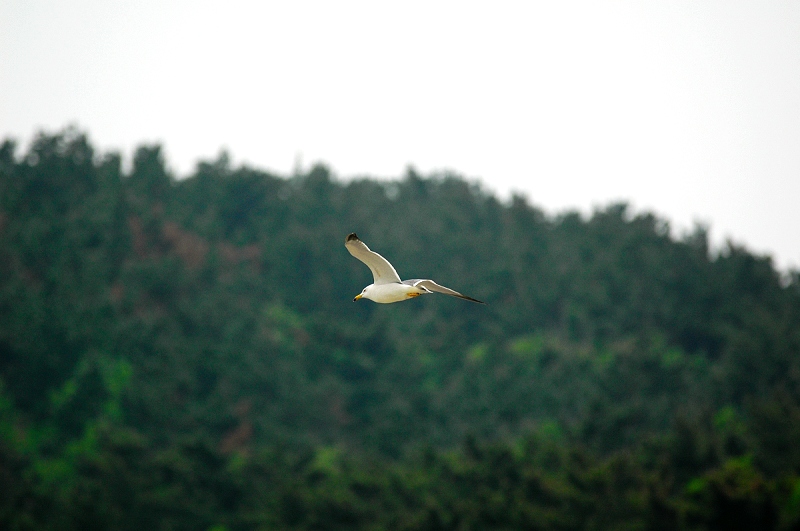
pixel 387 286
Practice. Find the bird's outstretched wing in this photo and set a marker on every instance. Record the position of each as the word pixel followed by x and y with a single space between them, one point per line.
pixel 430 285
pixel 382 270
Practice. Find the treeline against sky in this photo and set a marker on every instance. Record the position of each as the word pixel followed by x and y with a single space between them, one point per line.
pixel 185 354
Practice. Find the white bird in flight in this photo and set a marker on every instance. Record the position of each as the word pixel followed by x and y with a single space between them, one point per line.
pixel 387 286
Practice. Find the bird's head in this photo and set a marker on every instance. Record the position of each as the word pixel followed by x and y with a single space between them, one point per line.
pixel 364 293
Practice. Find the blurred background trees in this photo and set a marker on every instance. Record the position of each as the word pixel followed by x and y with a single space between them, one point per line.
pixel 184 354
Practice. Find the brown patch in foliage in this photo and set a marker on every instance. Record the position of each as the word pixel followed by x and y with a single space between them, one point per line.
pixel 238 439
pixel 232 255
pixel 116 292
pixel 338 410
pixel 190 247
pixel 138 236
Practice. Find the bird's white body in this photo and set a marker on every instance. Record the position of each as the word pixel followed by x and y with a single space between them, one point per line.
pixel 394 292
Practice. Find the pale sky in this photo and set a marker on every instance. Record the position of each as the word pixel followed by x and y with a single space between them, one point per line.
pixel 689 109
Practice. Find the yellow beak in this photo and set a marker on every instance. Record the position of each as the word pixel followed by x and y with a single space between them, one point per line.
pixel 356 297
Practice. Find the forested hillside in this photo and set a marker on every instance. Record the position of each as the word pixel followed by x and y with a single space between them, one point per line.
pixel 185 354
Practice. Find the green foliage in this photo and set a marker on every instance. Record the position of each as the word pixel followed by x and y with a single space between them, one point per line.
pixel 184 354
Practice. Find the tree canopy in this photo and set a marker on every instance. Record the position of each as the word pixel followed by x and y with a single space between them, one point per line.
pixel 184 354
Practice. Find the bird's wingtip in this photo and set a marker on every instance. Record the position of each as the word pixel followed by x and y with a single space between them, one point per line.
pixel 350 237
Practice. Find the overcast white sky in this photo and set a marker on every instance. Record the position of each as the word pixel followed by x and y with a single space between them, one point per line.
pixel 690 109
